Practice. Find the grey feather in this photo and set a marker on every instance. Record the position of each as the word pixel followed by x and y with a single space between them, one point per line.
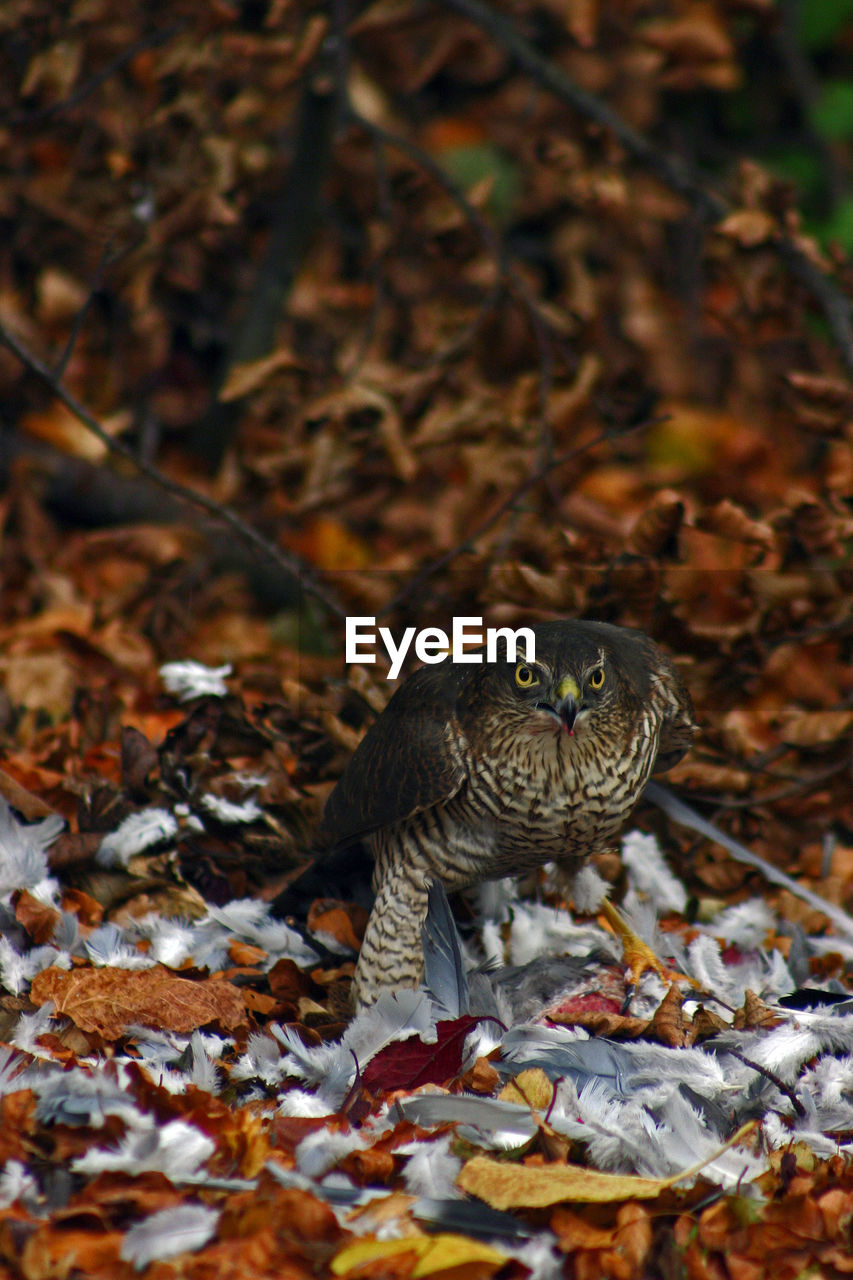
pixel 444 968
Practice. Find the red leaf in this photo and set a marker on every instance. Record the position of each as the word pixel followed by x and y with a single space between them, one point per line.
pixel 406 1064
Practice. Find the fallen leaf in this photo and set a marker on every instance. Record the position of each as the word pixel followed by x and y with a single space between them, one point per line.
pixel 531 1087
pixel 345 921
pixel 816 728
pixel 408 1064
pixel 754 1014
pixel 107 1001
pixel 36 917
pixel 434 1253
pixel 748 227
pixel 243 379
pixel 518 1186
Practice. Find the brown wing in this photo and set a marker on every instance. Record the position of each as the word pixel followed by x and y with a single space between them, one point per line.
pixel 403 764
pixel 678 727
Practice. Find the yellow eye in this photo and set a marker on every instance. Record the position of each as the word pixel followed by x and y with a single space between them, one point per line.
pixel 596 678
pixel 525 678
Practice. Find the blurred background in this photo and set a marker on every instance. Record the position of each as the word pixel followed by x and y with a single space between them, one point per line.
pixel 522 310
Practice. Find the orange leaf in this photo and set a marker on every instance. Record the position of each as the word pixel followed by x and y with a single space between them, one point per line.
pixel 345 921
pixel 107 1001
pixel 36 917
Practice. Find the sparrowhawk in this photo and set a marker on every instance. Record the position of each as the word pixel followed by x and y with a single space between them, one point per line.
pixel 473 772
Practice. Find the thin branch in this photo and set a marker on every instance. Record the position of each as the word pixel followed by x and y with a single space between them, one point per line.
pixel 805 86
pixel 772 1077
pixel 295 218
pixel 289 563
pixel 673 172
pixel 61 365
pixel 100 77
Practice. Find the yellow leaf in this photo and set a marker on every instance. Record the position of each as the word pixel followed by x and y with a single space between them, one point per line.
pixel 531 1087
pixel 435 1253
pixel 513 1186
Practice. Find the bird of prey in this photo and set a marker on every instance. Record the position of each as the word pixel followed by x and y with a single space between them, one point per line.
pixel 478 771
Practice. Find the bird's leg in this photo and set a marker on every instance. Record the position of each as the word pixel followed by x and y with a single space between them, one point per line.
pixel 638 956
pixel 391 954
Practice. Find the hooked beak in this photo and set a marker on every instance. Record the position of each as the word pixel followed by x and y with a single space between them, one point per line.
pixel 567 704
pixel 567 709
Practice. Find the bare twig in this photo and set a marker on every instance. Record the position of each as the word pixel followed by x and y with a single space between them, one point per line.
pixel 61 365
pixel 100 77
pixel 293 225
pixel 772 1077
pixel 673 172
pixel 805 86
pixel 289 563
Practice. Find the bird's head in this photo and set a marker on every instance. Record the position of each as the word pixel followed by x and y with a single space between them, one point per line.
pixel 585 678
pixel 559 699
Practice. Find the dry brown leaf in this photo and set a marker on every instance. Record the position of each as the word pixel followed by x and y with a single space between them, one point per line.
pixel 755 1014
pixel 29 805
pixel 54 1251
pixel 706 1023
pixel 749 227
pixel 36 917
pixel 58 426
pixel 481 1078
pixel 711 777
pixel 107 1001
pixel 603 1022
pixel 631 1235
pixel 696 34
pixel 514 1186
pixel 668 1024
pixel 656 529
pixel 729 520
pixel 816 728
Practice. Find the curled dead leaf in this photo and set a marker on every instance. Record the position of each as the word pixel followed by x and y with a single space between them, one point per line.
pixel 817 388
pixel 729 520
pixel 345 921
pixel 668 1024
pixel 656 529
pixel 818 529
pixel 706 1023
pixel 37 918
pixel 754 1014
pixel 630 1237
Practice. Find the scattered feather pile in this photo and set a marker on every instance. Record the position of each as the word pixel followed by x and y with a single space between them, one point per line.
pixel 141 1061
